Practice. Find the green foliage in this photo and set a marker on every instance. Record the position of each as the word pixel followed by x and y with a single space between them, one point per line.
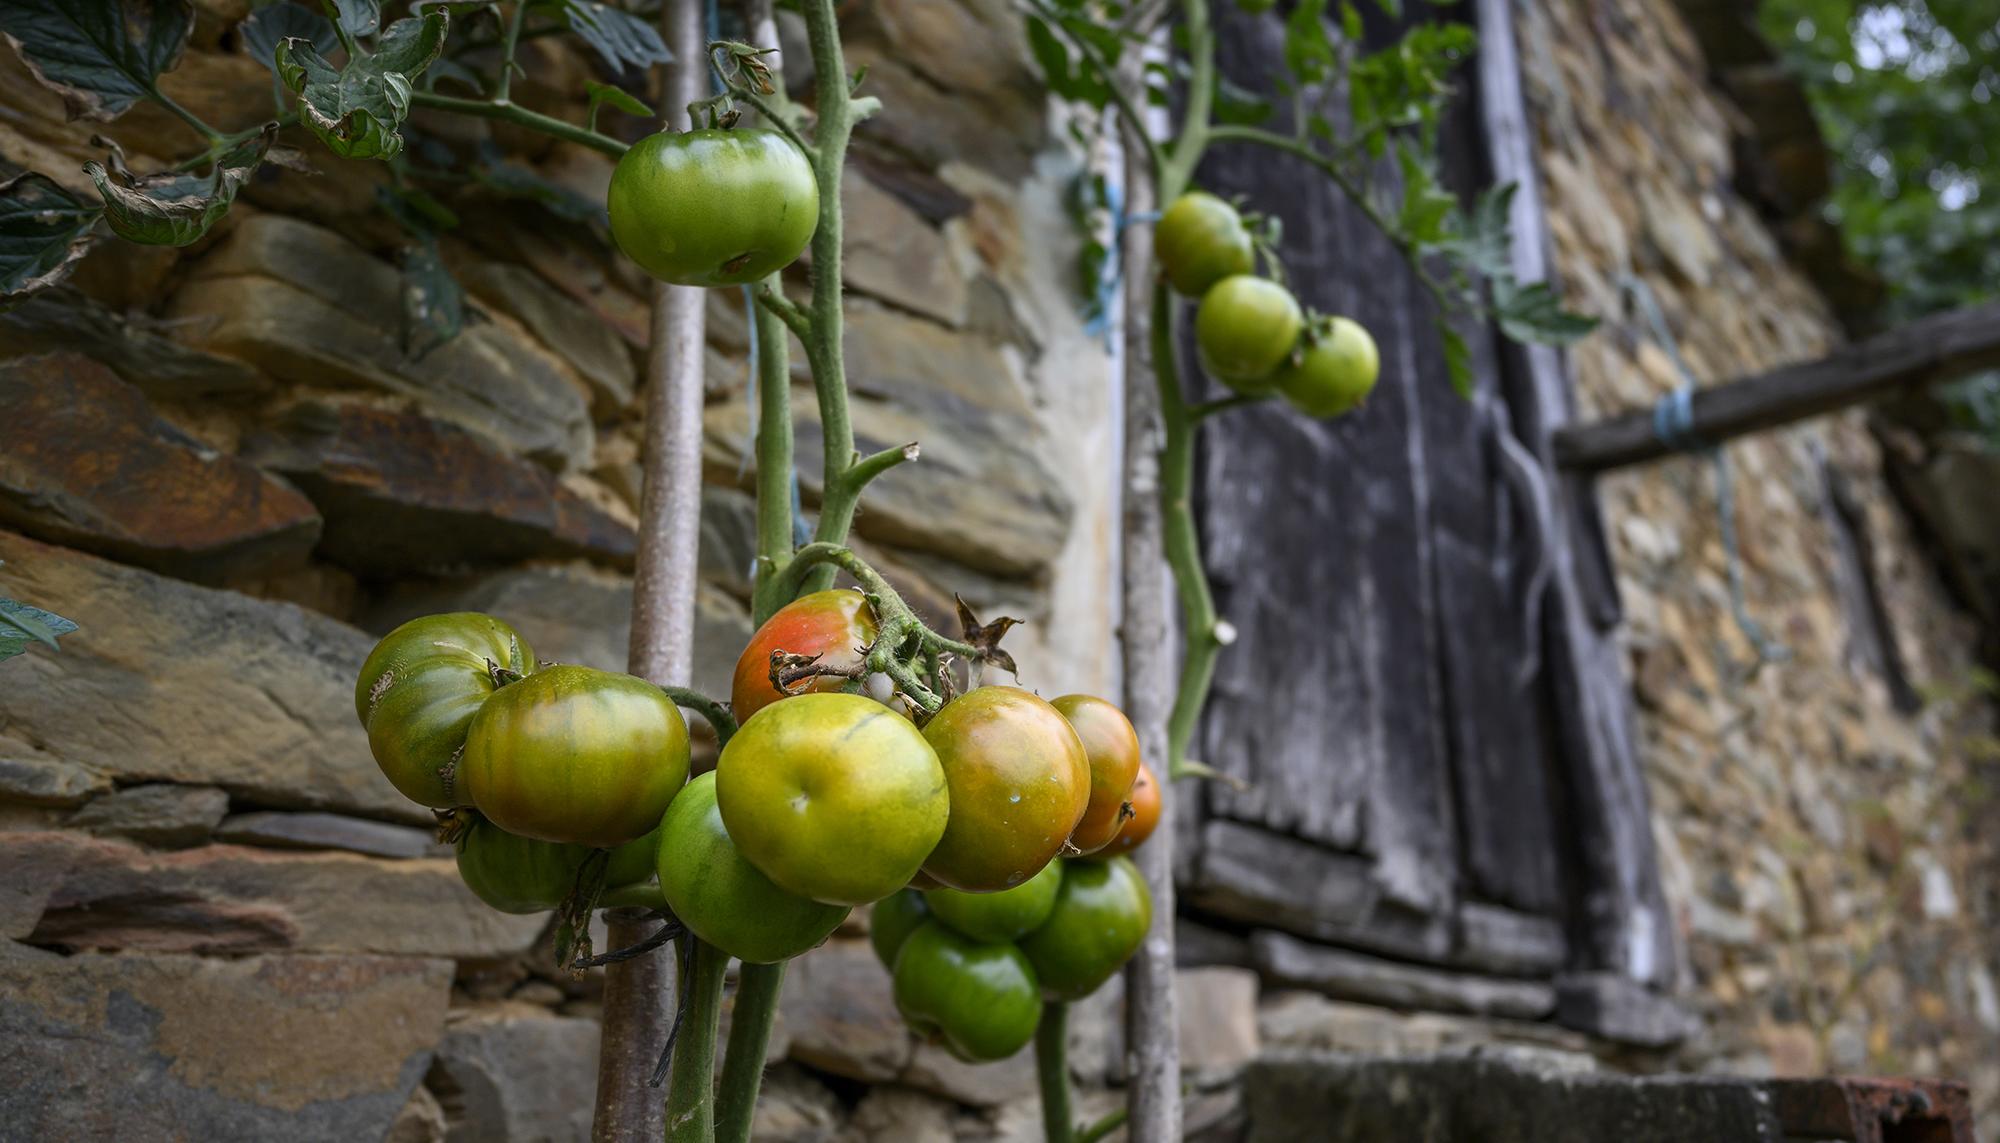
pixel 358 110
pixel 263 30
pixel 101 56
pixel 43 231
pixel 623 39
pixel 603 94
pixel 21 625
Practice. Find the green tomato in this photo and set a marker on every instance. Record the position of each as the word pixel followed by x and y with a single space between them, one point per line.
pixel 1199 241
pixel 576 755
pixel 721 897
pixel 1004 916
pixel 1336 372
pixel 979 998
pixel 1019 784
pixel 418 691
pixel 1100 918
pixel 1246 327
pixel 713 208
pixel 522 875
pixel 833 796
pixel 891 922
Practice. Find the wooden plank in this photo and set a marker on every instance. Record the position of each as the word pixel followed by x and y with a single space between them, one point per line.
pixel 1371 980
pixel 1935 348
pixel 1622 910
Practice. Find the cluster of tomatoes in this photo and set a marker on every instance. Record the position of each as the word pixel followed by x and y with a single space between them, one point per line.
pixel 1252 335
pixel 825 798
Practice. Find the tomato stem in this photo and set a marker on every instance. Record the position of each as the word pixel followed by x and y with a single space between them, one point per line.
pixel 1052 1071
pixel 520 117
pixel 691 1076
pixel 716 714
pixel 757 989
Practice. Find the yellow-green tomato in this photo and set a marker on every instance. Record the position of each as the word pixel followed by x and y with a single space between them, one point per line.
pixel 978 997
pixel 713 208
pixel 418 691
pixel 1199 241
pixel 891 922
pixel 1004 916
pixel 721 897
pixel 1336 371
pixel 1246 327
pixel 1101 917
pixel 833 796
pixel 522 875
pixel 576 755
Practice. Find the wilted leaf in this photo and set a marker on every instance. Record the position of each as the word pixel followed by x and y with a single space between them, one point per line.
pixel 985 638
pixel 271 25
pixel 21 625
pixel 43 231
pixel 358 111
pixel 433 301
pixel 101 56
pixel 623 39
pixel 176 209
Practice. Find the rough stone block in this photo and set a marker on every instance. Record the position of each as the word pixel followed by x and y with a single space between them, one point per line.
pixel 84 461
pixel 988 1084
pixel 842 1017
pixel 1493 939
pixel 71 891
pixel 306 1048
pixel 157 814
pixel 1620 1009
pixel 1356 976
pixel 516 1072
pixel 403 493
pixel 1217 1013
pixel 275 830
pixel 167 681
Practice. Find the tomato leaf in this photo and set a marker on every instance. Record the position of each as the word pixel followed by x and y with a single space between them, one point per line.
pixel 617 97
pixel 43 231
pixel 624 40
pixel 1074 80
pixel 267 27
pixel 433 301
pixel 1309 52
pixel 1457 358
pixel 357 111
pixel 359 17
pixel 1534 313
pixel 21 625
pixel 1427 206
pixel 175 209
pixel 101 56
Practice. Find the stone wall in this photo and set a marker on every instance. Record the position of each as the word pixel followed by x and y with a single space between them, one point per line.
pixel 224 464
pixel 1819 818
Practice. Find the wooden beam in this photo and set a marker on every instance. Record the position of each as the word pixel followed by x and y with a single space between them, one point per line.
pixel 1934 348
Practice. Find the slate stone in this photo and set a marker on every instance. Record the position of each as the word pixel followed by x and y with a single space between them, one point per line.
pixel 48 782
pixel 568 329
pixel 988 1084
pixel 793 1107
pixel 1287 960
pixel 303 1048
pixel 1468 1098
pixel 169 682
pixel 841 1015
pixel 76 892
pixel 276 830
pixel 62 320
pixel 405 494
pixel 158 813
pixel 1493 939
pixel 894 254
pixel 983 493
pixel 1216 1010
pixel 1621 1010
pixel 420 1121
pixel 516 1073
pixel 306 306
pixel 84 461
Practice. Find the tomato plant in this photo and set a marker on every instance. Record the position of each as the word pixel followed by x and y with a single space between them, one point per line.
pixel 1019 783
pixel 833 796
pixel 1246 328
pixel 1003 916
pixel 577 755
pixel 522 875
pixel 713 207
pixel 1101 915
pixel 1145 803
pixel 979 998
pixel 891 922
pixel 1199 241
pixel 418 691
pixel 1112 747
pixel 836 626
pixel 721 897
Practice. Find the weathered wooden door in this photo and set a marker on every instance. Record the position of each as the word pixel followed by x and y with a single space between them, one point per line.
pixel 1395 700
